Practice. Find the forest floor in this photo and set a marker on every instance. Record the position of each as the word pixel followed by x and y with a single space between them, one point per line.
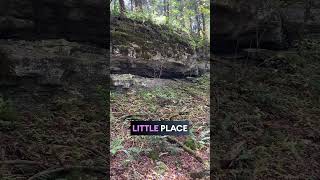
pixel 265 121
pixel 268 125
pixel 153 157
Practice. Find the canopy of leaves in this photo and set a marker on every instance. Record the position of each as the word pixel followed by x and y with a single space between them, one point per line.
pixel 192 17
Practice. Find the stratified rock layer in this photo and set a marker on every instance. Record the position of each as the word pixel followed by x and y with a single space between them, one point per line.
pixel 74 20
pixel 41 71
pixel 149 50
pixel 263 24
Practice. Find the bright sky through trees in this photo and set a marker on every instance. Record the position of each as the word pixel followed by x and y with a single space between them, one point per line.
pixel 191 16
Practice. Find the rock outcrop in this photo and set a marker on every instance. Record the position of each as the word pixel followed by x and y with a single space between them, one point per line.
pixel 136 45
pixel 54 70
pixel 263 24
pixel 42 71
pixel 53 49
pixel 74 20
pixel 150 50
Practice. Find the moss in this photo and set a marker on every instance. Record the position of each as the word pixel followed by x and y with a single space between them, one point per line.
pixel 7 112
pixel 148 36
pixel 145 55
pixel 124 49
pixel 119 37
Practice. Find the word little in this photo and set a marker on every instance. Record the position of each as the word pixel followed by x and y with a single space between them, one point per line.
pixel 159 128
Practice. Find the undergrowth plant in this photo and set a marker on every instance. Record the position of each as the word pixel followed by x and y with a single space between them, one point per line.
pixel 7 112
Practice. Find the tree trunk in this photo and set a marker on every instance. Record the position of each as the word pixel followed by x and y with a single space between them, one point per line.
pixel 181 5
pixel 138 5
pixel 307 12
pixel 191 27
pixel 164 7
pixel 114 5
pixel 203 25
pixel 122 8
pixel 196 9
pixel 168 10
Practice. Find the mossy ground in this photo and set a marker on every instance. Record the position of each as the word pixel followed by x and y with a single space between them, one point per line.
pixel 268 122
pixel 51 140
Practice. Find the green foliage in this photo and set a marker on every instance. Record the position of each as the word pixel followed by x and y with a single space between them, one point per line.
pixel 191 143
pixel 116 146
pixel 7 112
pixel 194 142
pixel 134 153
pixel 161 92
pixel 154 155
pixel 272 110
pixel 204 138
pixel 103 93
pixel 161 167
pixel 183 15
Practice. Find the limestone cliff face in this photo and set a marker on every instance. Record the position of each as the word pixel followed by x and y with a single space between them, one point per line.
pixel 263 24
pixel 56 48
pixel 74 20
pixel 40 72
pixel 52 49
pixel 146 49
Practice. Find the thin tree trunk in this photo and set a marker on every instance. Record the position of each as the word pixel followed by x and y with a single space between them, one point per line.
pixel 168 8
pixel 181 14
pixel 114 5
pixel 203 25
pixel 307 12
pixel 138 5
pixel 197 18
pixel 165 7
pixel 191 29
pixel 122 8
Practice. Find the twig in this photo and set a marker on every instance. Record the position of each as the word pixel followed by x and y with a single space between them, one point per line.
pixel 47 172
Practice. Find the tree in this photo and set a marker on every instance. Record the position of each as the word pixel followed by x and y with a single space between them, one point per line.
pixel 138 5
pixel 131 5
pixel 122 8
pixel 166 8
pixel 190 16
pixel 196 10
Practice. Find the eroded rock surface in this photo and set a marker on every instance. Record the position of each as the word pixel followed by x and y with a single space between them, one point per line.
pixel 263 24
pixel 48 69
pixel 128 81
pixel 150 50
pixel 74 20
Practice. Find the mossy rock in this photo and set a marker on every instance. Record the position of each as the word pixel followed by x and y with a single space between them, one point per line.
pixel 147 35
